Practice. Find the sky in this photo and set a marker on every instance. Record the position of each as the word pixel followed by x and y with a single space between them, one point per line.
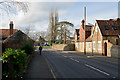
pixel 38 14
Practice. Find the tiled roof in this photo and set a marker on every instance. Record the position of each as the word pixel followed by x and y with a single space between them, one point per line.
pixel 6 32
pixel 109 24
pixel 88 27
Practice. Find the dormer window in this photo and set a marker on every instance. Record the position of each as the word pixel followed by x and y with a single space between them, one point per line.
pixel 114 27
pixel 106 27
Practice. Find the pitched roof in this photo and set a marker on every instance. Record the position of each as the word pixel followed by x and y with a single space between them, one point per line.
pixel 77 31
pixel 88 27
pixel 16 40
pixel 106 27
pixel 6 32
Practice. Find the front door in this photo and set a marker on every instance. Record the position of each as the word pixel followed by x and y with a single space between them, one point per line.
pixel 105 48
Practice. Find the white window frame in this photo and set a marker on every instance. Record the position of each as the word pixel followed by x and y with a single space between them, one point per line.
pixel 89 45
pixel 94 45
pixel 99 42
pixel 83 44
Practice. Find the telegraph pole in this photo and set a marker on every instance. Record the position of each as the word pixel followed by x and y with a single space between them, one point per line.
pixel 85 30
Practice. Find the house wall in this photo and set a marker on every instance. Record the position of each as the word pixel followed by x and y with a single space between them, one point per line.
pixel 109 45
pixel 75 38
pixel 88 47
pixel 81 32
pixel 79 46
pixel 81 49
pixel 76 46
pixel 97 39
pixel 112 39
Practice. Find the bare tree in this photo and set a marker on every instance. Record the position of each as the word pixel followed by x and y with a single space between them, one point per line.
pixel 27 30
pixel 9 5
pixel 43 34
pixel 53 25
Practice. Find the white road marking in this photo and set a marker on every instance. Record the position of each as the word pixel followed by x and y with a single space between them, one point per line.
pixel 97 69
pixel 64 56
pixel 53 74
pixel 74 60
pixel 71 58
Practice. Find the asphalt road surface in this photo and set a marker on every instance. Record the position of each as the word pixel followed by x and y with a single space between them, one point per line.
pixel 69 65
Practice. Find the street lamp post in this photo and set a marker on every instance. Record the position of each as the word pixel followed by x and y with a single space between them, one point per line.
pixel 84 30
pixel 92 38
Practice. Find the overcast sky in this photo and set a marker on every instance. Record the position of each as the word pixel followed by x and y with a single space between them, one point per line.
pixel 38 14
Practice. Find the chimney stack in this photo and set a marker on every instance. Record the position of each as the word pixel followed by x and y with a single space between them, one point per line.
pixel 11 27
pixel 82 23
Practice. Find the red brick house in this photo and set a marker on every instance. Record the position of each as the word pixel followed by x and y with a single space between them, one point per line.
pixel 4 33
pixel 80 42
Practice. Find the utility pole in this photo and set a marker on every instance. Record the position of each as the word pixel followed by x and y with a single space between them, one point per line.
pixel 85 30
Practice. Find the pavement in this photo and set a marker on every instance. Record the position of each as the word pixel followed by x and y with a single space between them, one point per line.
pixel 38 69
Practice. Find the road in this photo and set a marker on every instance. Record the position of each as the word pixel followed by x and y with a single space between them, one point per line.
pixel 69 65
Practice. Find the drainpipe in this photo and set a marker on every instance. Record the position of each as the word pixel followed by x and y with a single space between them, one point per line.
pixel 92 38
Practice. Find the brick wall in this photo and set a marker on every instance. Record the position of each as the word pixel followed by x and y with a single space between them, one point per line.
pixel 115 51
pixel 88 47
pixel 65 47
pixel 81 34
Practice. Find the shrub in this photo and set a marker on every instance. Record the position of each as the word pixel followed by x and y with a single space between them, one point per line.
pixel 50 42
pixel 57 42
pixel 28 47
pixel 61 42
pixel 19 58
